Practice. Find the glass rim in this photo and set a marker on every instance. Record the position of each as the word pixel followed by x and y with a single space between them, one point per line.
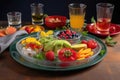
pixel 107 5
pixel 77 5
pixel 37 4
pixel 14 13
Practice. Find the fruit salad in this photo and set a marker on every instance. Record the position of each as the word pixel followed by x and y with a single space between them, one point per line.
pixel 69 35
pixel 52 49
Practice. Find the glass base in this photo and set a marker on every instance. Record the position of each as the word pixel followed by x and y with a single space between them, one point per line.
pixel 77 29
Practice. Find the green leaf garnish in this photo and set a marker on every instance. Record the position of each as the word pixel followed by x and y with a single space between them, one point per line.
pixel 109 41
pixel 84 33
pixel 102 52
pixel 39 56
pixel 93 20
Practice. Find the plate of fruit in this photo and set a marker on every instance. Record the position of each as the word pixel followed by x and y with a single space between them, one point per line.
pixel 51 53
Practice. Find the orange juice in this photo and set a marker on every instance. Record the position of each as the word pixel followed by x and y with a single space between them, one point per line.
pixel 76 21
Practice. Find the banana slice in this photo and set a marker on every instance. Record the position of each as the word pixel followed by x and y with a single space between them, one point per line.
pixel 78 46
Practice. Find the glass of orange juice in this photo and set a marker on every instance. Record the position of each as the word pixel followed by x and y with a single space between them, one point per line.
pixel 77 15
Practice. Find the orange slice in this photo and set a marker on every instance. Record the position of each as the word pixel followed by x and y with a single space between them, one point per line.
pixel 10 30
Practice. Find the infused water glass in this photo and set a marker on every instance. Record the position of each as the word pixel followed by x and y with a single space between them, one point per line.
pixel 77 15
pixel 14 19
pixel 37 13
pixel 104 16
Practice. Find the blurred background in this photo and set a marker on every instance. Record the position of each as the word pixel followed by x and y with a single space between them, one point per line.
pixel 55 7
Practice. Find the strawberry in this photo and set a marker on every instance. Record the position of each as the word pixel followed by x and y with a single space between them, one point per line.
pixel 50 55
pixel 33 46
pixel 92 44
pixel 84 41
pixel 29 29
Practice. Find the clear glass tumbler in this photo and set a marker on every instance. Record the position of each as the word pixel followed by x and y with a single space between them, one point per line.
pixel 37 13
pixel 14 19
pixel 104 16
pixel 77 15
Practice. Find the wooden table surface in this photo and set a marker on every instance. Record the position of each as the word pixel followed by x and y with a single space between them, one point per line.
pixel 107 69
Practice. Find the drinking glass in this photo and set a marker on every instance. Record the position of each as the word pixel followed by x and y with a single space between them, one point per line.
pixel 104 16
pixel 14 19
pixel 37 13
pixel 77 15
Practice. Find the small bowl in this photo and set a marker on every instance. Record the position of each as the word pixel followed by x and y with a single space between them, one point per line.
pixel 52 22
pixel 72 39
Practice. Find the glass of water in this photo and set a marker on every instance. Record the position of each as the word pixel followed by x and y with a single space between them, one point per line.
pixel 14 19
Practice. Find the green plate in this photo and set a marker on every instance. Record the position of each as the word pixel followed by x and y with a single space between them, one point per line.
pixel 15 55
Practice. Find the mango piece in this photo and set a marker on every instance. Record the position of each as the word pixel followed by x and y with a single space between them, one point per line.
pixel 43 34
pixel 50 32
pixel 86 50
pixel 37 29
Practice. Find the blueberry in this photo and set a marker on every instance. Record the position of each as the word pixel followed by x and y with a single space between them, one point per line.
pixel 73 35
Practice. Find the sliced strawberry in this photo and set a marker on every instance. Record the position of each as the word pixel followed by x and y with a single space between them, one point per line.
pixel 29 29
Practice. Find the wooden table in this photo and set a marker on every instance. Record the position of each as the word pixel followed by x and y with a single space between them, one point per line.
pixel 107 69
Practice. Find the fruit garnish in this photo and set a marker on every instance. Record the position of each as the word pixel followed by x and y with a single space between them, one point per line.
pixel 30 40
pixel 78 46
pixel 50 55
pixel 10 30
pixel 43 34
pixel 49 32
pixel 29 29
pixel 32 28
pixel 46 34
pixel 37 29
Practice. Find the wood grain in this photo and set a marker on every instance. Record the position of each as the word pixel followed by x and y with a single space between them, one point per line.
pixel 107 69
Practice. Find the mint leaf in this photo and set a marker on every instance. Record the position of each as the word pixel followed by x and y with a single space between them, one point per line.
pixel 102 52
pixel 109 41
pixel 85 33
pixel 39 56
pixel 93 20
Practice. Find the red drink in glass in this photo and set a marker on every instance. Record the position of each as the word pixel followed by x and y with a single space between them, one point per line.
pixel 103 24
